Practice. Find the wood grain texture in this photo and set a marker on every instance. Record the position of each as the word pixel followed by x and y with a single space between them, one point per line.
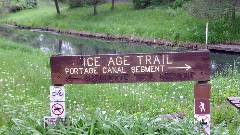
pixel 130 68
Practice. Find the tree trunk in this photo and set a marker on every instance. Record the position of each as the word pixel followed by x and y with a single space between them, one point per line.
pixel 57 7
pixel 95 9
pixel 233 17
pixel 113 4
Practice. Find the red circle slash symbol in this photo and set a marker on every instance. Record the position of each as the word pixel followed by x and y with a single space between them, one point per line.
pixel 57 109
pixel 57 94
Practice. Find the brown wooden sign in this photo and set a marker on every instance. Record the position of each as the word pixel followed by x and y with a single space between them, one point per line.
pixel 129 68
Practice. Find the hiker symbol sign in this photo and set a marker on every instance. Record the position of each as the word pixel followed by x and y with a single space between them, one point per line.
pixel 202 106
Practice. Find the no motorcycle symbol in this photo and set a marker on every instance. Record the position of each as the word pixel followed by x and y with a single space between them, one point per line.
pixel 57 109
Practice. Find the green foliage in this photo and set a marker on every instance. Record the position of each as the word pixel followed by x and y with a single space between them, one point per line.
pixel 17 5
pixel 178 4
pixel 81 3
pixel 76 3
pixel 25 4
pixel 30 4
pixel 92 2
pixel 210 9
pixel 3 6
pixel 140 4
pixel 159 22
pixel 221 30
pixel 63 1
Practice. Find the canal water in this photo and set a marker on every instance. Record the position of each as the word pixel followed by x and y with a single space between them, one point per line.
pixel 72 45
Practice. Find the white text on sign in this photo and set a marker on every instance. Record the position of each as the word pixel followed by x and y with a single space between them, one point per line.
pixel 117 65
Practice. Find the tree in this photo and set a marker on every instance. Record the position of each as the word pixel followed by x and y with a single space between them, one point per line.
pixel 3 6
pixel 214 9
pixel 113 4
pixel 76 3
pixel 94 3
pixel 221 14
pixel 57 6
pixel 235 4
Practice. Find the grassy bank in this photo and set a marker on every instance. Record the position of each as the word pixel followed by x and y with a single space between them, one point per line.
pixel 103 108
pixel 160 22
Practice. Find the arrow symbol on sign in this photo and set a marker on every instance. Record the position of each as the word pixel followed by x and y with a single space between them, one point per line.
pixel 187 67
pixel 69 79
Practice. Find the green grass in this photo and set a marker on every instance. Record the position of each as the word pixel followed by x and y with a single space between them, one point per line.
pixel 156 22
pixel 103 108
pixel 159 22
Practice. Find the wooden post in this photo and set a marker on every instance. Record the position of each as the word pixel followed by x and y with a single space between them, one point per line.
pixel 202 92
pixel 207 33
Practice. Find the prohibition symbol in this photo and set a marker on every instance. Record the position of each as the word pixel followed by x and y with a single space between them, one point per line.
pixel 57 93
pixel 204 121
pixel 57 109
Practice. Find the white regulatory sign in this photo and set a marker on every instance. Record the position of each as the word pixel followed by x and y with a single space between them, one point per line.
pixel 53 120
pixel 57 109
pixel 57 93
pixel 202 123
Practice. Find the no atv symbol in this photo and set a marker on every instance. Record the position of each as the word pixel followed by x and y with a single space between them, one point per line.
pixel 57 109
pixel 202 123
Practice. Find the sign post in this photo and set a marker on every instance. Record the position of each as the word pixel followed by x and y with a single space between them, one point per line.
pixel 202 92
pixel 131 68
pixel 57 106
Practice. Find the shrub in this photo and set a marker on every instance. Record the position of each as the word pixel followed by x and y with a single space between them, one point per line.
pixel 63 1
pixel 18 5
pixel 76 3
pixel 140 4
pixel 30 4
pixel 160 2
pixel 178 4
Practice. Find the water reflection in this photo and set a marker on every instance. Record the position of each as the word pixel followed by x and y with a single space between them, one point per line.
pixel 222 62
pixel 70 45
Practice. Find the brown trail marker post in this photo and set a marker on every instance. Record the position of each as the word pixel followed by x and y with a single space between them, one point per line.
pixel 140 67
pixel 202 92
